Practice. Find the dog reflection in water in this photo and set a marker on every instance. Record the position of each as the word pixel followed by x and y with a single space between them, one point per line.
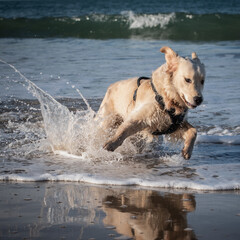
pixel 135 213
pixel 149 216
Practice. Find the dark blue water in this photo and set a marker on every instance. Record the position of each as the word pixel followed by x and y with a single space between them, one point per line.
pixel 70 8
pixel 176 20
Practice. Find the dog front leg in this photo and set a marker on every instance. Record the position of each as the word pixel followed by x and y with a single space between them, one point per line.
pixel 125 130
pixel 189 136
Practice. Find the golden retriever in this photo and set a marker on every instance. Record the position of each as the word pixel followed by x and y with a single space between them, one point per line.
pixel 157 105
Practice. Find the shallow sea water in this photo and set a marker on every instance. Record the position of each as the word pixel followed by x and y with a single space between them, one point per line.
pixel 58 140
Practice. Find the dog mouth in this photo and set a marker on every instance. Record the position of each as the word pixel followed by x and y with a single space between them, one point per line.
pixel 188 103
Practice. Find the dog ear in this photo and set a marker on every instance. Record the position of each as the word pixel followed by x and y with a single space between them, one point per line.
pixel 194 56
pixel 171 58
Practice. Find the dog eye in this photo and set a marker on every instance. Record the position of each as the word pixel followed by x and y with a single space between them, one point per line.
pixel 202 81
pixel 188 80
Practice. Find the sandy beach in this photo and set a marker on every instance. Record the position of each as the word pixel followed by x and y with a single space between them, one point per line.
pixel 56 210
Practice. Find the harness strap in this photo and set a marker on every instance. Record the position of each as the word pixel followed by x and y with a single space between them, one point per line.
pixel 176 119
pixel 138 84
pixel 158 97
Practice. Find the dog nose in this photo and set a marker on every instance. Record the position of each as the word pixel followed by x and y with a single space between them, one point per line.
pixel 198 100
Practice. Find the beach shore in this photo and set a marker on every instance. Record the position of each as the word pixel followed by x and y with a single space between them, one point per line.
pixel 58 210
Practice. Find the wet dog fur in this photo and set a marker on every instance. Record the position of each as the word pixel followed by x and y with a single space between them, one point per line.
pixel 179 81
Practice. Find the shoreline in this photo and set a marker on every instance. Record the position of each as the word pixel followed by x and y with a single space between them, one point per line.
pixel 66 210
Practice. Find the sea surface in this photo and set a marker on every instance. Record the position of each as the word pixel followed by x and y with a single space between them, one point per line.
pixel 57 59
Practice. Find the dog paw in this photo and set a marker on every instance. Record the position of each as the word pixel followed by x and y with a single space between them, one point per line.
pixel 186 154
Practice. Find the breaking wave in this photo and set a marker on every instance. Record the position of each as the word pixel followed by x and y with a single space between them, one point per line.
pixel 173 26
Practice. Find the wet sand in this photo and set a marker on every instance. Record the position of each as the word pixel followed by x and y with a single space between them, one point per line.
pixel 55 210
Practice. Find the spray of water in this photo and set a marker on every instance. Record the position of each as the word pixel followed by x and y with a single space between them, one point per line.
pixel 71 134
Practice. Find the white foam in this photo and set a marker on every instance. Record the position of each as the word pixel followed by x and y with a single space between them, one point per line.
pixel 220 135
pixel 148 20
pixel 207 180
pixel 234 140
pixel 67 155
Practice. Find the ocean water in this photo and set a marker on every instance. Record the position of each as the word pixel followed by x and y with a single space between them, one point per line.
pixel 57 60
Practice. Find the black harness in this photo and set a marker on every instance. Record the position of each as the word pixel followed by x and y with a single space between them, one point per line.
pixel 138 85
pixel 176 119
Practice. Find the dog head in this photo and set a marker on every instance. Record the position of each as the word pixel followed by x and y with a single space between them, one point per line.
pixel 186 75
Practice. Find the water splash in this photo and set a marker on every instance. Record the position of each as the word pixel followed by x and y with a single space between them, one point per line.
pixel 69 133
